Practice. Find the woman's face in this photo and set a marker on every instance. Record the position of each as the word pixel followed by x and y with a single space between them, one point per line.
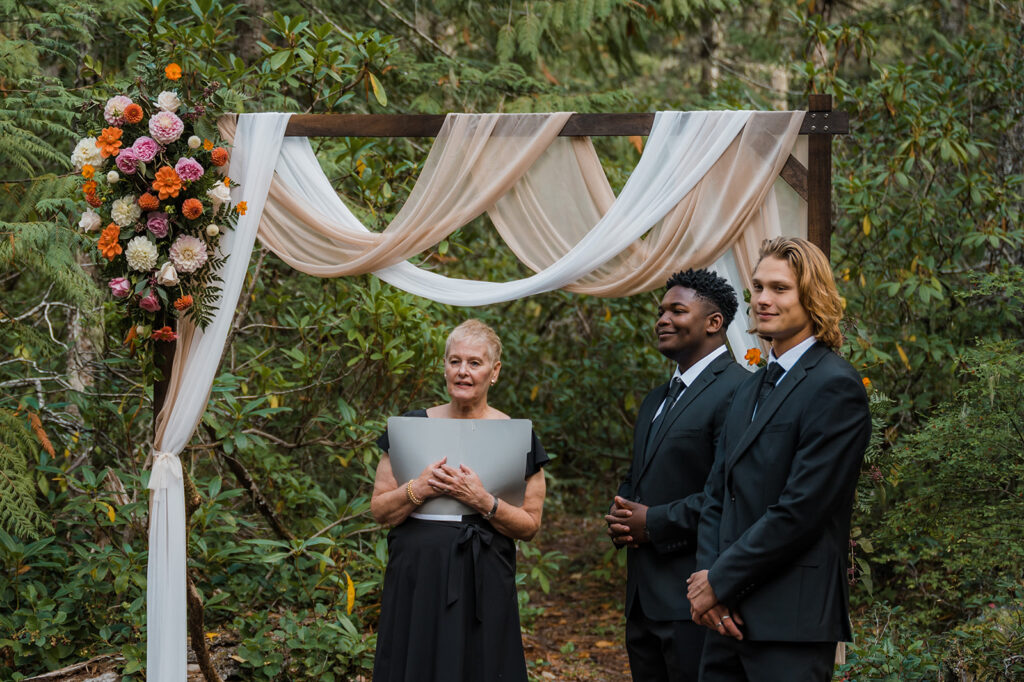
pixel 468 370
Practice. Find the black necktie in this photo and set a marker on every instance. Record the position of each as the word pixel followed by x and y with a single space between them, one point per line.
pixel 674 389
pixel 768 381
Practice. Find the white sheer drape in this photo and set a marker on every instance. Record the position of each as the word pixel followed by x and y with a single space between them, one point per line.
pixel 681 149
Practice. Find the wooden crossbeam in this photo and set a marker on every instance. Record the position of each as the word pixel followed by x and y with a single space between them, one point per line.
pixel 578 125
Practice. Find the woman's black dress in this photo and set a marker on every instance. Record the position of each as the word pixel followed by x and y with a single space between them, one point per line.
pixel 449 609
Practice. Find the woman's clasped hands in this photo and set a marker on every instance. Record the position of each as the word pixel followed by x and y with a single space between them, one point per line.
pixel 460 483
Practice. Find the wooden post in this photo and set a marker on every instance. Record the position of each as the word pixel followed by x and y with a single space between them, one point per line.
pixel 819 171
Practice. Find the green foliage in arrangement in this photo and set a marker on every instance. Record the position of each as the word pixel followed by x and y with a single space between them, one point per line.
pixel 928 195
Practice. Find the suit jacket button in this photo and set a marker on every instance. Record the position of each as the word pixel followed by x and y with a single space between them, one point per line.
pixel 732 497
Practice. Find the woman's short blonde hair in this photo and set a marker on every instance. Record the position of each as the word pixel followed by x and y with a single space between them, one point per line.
pixel 816 285
pixel 478 331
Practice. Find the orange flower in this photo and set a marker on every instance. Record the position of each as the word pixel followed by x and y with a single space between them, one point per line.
pixel 219 156
pixel 167 182
pixel 165 333
pixel 132 113
pixel 183 303
pixel 172 71
pixel 108 244
pixel 753 356
pixel 94 200
pixel 89 187
pixel 242 207
pixel 148 202
pixel 132 334
pixel 866 382
pixel 192 208
pixel 207 145
pixel 227 181
pixel 88 171
pixel 109 142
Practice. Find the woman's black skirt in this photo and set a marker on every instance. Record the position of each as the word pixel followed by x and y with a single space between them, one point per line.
pixel 449 609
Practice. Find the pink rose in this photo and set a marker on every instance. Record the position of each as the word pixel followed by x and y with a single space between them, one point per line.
pixel 150 302
pixel 145 149
pixel 166 127
pixel 127 161
pixel 113 112
pixel 188 169
pixel 120 287
pixel 158 223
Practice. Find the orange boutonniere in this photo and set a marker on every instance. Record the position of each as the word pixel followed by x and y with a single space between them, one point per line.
pixel 866 382
pixel 753 356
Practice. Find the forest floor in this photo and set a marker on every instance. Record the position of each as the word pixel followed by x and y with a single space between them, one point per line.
pixel 580 634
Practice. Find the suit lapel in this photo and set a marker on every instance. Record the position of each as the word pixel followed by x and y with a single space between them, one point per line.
pixel 644 418
pixel 703 380
pixel 774 401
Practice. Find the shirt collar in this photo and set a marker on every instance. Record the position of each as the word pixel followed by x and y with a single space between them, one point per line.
pixel 691 374
pixel 790 357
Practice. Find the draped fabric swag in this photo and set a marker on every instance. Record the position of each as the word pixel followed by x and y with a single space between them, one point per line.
pixel 705 193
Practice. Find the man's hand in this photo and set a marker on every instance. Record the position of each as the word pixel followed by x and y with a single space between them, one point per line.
pixel 701 595
pixel 723 621
pixel 627 522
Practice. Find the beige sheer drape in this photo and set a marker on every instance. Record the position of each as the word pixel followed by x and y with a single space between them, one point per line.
pixel 560 199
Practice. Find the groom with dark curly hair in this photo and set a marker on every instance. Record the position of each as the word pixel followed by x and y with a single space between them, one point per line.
pixel 656 511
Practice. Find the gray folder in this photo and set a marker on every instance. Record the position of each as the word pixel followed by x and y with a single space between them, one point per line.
pixel 496 449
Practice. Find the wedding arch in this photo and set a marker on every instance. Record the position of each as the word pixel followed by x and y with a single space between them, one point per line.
pixel 709 186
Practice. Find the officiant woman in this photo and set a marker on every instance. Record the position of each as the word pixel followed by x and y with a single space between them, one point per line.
pixel 449 609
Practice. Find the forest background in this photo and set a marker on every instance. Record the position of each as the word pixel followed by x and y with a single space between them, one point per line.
pixel 927 250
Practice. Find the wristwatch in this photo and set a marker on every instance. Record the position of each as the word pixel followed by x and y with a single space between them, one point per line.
pixel 494 510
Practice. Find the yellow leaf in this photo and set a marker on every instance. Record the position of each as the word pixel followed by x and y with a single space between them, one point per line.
pixel 534 391
pixel 110 512
pixel 607 314
pixel 360 167
pixel 350 591
pixel 638 142
pixel 863 282
pixel 273 400
pixel 867 225
pixel 378 91
pixel 903 356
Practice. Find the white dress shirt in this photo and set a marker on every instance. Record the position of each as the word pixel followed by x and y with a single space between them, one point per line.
pixel 691 374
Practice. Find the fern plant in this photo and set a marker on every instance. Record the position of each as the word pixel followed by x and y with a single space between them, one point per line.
pixel 19 513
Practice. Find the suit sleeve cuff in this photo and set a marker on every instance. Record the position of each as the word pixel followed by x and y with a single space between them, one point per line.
pixel 659 533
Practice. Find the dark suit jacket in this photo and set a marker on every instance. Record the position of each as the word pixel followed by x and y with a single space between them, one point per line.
pixel 775 525
pixel 671 483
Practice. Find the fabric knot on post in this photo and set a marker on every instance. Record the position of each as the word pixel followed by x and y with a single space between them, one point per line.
pixel 166 466
pixel 472 539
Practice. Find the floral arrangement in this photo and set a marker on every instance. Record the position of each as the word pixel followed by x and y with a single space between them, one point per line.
pixel 159 198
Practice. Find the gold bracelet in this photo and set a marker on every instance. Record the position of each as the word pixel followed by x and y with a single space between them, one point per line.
pixel 411 495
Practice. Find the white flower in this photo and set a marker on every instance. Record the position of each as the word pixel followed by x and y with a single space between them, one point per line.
pixel 167 276
pixel 86 152
pixel 125 211
pixel 219 195
pixel 90 220
pixel 211 230
pixel 194 142
pixel 168 101
pixel 141 254
pixel 113 177
pixel 188 253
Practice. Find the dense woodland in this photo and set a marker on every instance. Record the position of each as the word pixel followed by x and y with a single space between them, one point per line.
pixel 928 249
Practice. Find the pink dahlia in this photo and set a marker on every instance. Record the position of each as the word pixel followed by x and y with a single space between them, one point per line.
pixel 188 169
pixel 158 224
pixel 188 253
pixel 114 110
pixel 120 287
pixel 166 127
pixel 127 161
pixel 145 149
